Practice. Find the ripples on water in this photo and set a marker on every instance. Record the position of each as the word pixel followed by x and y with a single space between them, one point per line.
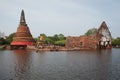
pixel 71 65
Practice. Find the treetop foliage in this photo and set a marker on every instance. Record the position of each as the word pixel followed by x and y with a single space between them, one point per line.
pixel 10 38
pixel 116 41
pixel 91 31
pixel 57 39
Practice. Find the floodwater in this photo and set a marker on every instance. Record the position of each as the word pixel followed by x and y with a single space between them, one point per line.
pixel 61 65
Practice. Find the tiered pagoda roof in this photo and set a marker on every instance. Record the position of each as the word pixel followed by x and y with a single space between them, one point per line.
pixel 23 35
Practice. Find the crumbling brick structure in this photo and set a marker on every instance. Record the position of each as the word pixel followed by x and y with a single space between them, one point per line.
pixel 100 39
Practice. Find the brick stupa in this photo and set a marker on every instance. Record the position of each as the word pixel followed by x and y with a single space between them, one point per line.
pixel 23 36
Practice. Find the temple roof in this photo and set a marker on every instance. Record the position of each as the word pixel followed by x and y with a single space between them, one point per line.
pixel 103 30
pixel 103 25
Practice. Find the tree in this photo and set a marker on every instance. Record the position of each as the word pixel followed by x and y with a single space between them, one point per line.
pixel 10 38
pixel 2 41
pixel 91 31
pixel 60 42
pixel 44 35
pixel 35 40
pixel 48 40
pixel 55 37
pixel 116 41
pixel 61 37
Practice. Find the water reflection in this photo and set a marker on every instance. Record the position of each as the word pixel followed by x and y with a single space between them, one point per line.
pixel 22 64
pixel 69 65
pixel 94 65
pixel 103 64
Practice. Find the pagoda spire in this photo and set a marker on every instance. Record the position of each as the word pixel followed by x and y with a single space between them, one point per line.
pixel 22 18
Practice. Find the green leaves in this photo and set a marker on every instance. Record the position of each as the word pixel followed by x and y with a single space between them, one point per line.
pixel 48 40
pixel 10 38
pixel 60 42
pixel 116 41
pixel 91 31
pixel 57 39
pixel 2 41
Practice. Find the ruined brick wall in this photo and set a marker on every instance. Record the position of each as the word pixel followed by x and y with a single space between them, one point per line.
pixel 81 42
pixel 101 38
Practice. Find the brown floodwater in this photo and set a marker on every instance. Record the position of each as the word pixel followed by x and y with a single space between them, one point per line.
pixel 61 65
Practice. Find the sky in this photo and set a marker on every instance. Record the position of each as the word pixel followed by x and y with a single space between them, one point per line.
pixel 68 17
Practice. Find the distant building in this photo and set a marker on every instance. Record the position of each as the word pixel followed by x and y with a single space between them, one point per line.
pixel 23 37
pixel 101 39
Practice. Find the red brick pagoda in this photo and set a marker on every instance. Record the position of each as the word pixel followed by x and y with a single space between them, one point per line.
pixel 23 37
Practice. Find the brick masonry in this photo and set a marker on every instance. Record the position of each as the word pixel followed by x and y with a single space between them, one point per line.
pixel 101 39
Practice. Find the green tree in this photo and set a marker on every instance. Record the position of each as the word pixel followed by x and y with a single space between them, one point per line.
pixel 2 41
pixel 116 41
pixel 10 38
pixel 91 31
pixel 60 42
pixel 44 35
pixel 61 37
pixel 48 40
pixel 35 39
pixel 57 39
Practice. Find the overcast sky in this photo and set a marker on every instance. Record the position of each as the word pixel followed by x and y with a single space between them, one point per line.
pixel 69 17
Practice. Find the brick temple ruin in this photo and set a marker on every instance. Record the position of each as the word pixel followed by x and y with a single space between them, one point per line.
pixel 101 39
pixel 22 37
